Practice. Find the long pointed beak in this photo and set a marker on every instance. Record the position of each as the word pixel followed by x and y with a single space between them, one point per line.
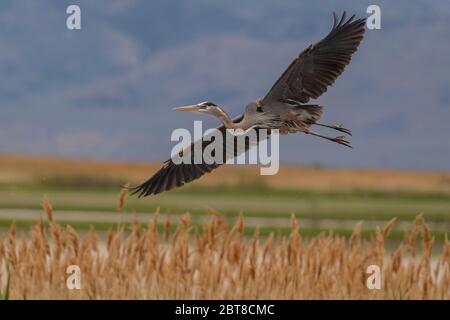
pixel 193 107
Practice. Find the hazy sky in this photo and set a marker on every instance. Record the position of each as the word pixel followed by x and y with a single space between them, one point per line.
pixel 107 90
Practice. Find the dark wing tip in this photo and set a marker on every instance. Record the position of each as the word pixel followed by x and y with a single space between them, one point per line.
pixel 138 189
pixel 148 187
pixel 337 23
pixel 170 176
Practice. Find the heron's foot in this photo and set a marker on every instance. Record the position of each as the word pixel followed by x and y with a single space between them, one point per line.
pixel 338 139
pixel 339 127
pixel 341 140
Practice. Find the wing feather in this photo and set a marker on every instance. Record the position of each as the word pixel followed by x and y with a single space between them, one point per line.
pixel 173 175
pixel 311 73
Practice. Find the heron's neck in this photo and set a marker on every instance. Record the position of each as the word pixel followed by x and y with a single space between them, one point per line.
pixel 225 118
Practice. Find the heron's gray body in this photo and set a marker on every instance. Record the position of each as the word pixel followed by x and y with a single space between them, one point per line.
pixel 285 107
pixel 282 115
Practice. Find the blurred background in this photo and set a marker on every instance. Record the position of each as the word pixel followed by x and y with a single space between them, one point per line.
pixel 106 93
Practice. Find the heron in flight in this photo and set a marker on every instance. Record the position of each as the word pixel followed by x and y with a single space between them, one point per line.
pixel 285 107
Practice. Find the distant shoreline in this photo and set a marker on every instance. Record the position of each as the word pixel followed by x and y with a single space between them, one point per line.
pixel 35 169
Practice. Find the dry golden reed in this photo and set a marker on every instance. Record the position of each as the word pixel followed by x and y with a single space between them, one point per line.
pixel 123 197
pixel 217 261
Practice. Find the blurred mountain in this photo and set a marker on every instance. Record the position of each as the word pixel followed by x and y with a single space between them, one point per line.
pixel 107 90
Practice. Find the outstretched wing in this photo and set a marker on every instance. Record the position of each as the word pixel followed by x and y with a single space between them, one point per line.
pixel 173 175
pixel 318 66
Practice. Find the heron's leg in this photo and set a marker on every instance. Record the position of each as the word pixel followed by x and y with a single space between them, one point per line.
pixel 338 139
pixel 338 127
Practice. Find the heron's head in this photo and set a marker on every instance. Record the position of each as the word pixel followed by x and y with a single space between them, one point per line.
pixel 203 107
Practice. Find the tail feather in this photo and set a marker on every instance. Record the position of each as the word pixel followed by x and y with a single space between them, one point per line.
pixel 308 113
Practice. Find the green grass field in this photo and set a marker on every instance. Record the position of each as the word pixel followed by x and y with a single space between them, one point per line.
pixel 78 198
pixel 311 207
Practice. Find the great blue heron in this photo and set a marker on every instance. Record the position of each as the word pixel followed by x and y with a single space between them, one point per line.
pixel 284 106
